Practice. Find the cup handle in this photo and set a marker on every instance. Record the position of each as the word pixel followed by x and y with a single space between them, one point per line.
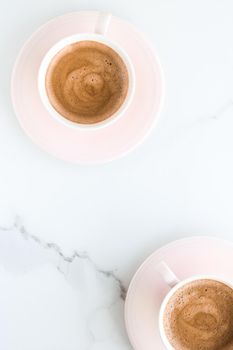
pixel 167 274
pixel 102 22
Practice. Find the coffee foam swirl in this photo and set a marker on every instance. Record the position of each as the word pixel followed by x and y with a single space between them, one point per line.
pixel 87 82
pixel 87 86
pixel 200 316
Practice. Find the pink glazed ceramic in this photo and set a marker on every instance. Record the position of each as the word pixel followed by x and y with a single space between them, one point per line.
pixel 186 257
pixel 87 146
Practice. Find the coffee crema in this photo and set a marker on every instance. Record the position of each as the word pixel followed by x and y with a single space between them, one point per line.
pixel 87 82
pixel 199 316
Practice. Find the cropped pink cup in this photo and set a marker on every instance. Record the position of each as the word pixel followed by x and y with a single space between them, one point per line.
pixel 174 283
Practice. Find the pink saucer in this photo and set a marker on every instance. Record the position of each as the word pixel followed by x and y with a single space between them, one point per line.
pixel 92 146
pixel 186 257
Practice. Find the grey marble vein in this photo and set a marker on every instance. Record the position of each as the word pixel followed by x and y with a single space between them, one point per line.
pixel 19 227
pixel 220 112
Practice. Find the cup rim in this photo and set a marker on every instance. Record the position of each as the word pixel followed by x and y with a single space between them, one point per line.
pixel 171 292
pixel 59 46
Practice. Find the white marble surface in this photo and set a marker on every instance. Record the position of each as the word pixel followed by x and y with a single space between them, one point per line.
pixel 72 236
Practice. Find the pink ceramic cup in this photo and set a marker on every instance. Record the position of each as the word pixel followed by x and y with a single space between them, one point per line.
pixel 99 35
pixel 174 283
